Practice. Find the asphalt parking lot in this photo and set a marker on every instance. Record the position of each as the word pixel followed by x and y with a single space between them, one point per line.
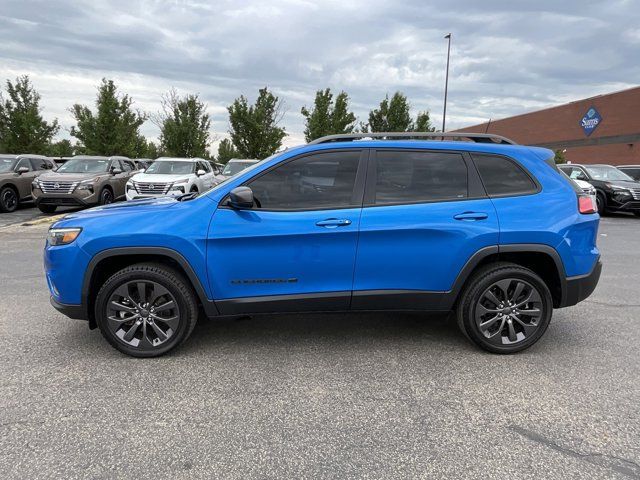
pixel 322 396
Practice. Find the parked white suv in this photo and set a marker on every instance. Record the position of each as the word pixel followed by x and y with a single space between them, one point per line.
pixel 172 176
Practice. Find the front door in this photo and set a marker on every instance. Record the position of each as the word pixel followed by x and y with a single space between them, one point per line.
pixel 295 249
pixel 425 214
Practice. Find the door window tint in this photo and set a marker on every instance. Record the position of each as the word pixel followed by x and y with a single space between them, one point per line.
pixel 414 177
pixel 127 167
pixel 23 163
pixel 319 181
pixel 39 164
pixel 574 173
pixel 502 176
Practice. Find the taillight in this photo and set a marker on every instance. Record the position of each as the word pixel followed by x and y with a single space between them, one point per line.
pixel 587 204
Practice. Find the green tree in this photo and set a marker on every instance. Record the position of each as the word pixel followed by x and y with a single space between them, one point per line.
pixel 226 151
pixel 254 129
pixel 22 128
pixel 62 148
pixel 391 116
pixel 559 157
pixel 113 129
pixel 423 123
pixel 185 126
pixel 328 117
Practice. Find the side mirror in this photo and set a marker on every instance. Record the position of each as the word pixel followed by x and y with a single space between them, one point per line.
pixel 201 173
pixel 22 170
pixel 241 197
pixel 116 171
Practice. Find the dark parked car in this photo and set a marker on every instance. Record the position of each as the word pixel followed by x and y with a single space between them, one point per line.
pixel 615 190
pixel 83 181
pixel 632 170
pixel 16 174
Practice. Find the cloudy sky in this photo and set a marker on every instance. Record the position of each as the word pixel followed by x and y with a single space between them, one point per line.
pixel 508 56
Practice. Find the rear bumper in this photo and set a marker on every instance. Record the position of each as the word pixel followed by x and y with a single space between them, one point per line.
pixel 580 287
pixel 77 312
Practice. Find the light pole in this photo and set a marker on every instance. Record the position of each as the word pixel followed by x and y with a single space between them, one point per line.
pixel 446 83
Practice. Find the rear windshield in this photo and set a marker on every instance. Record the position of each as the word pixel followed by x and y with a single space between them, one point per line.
pixel 171 168
pixel 84 165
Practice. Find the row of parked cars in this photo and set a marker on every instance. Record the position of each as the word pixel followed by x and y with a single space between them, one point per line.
pixel 617 189
pixel 98 180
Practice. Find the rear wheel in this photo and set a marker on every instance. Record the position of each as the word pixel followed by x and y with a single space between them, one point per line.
pixel 47 208
pixel 8 199
pixel 505 308
pixel 146 310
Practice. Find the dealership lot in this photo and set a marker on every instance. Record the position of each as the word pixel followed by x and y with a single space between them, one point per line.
pixel 316 396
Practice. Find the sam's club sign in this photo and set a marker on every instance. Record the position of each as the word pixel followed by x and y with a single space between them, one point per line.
pixel 590 121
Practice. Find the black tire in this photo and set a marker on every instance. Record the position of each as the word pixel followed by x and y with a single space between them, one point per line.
pixel 8 199
pixel 601 201
pixel 179 292
pixel 106 197
pixel 47 208
pixel 514 329
pixel 194 189
pixel 637 214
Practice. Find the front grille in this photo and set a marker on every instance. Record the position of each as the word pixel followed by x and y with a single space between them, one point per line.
pixel 57 187
pixel 635 193
pixel 149 188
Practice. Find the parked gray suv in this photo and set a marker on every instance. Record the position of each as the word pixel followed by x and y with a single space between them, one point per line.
pixel 83 181
pixel 16 174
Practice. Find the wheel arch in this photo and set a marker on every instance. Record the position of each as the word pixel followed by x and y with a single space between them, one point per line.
pixel 107 262
pixel 541 259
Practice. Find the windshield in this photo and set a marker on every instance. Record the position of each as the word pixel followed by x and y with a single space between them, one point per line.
pixel 6 164
pixel 84 165
pixel 607 173
pixel 236 167
pixel 171 168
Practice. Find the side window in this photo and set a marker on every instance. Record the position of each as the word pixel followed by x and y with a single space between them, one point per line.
pixel 575 173
pixel 414 177
pixel 116 164
pixel 24 162
pixel 39 164
pixel 502 176
pixel 125 166
pixel 314 182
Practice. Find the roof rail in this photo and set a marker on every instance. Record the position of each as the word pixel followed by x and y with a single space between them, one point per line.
pixel 473 137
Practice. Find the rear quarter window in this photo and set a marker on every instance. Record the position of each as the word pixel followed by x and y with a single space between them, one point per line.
pixel 502 176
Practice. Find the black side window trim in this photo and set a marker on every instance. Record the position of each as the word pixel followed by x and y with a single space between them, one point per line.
pixel 475 189
pixel 537 190
pixel 358 191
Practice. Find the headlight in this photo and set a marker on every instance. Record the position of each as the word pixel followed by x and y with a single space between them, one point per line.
pixel 35 184
pixel 86 185
pixel 62 236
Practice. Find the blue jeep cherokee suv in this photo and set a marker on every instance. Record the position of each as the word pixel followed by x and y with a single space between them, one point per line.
pixel 356 222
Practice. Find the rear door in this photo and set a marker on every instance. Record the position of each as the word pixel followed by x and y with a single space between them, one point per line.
pixel 295 249
pixel 425 214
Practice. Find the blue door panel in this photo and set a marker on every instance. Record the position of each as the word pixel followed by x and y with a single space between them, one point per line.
pixel 256 253
pixel 421 246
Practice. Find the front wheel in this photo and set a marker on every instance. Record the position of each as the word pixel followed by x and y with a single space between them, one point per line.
pixel 505 308
pixel 146 310
pixel 106 197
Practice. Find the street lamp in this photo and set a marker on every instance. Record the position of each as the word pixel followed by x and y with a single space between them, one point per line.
pixel 446 82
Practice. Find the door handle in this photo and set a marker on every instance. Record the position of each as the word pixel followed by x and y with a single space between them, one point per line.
pixel 333 222
pixel 471 216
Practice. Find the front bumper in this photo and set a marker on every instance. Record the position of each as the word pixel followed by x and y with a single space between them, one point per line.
pixel 81 198
pixel 580 287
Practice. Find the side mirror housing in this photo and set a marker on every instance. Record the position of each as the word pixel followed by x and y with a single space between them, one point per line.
pixel 22 170
pixel 241 197
pixel 201 173
pixel 116 171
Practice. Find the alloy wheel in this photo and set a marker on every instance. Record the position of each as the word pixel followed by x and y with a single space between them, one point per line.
pixel 143 314
pixel 9 199
pixel 509 311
